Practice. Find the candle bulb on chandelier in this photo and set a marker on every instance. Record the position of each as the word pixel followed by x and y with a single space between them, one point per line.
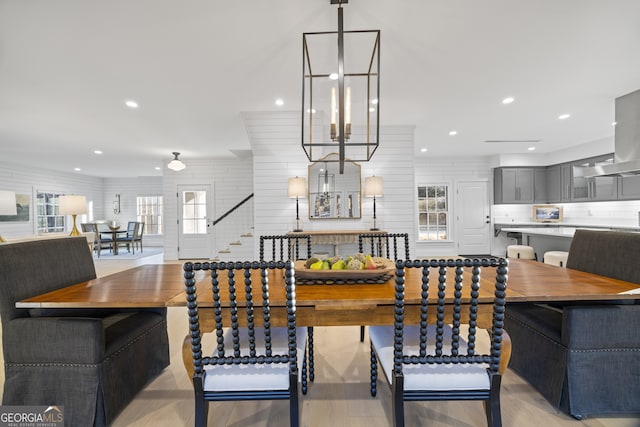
pixel 347 114
pixel 333 114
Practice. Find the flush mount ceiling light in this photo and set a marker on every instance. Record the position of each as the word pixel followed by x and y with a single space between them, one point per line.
pixel 340 92
pixel 176 164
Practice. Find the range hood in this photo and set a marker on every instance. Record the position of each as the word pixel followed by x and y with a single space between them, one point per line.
pixel 627 140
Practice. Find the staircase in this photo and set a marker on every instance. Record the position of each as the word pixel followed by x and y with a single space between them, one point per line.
pixel 234 233
pixel 238 250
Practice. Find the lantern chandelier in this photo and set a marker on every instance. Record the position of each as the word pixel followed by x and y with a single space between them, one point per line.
pixel 340 93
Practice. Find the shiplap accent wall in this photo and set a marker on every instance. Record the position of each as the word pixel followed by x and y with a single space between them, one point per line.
pixel 450 171
pixel 129 189
pixel 278 156
pixel 231 181
pixel 28 180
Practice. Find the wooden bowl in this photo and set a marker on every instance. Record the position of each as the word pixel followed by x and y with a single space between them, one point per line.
pixel 306 273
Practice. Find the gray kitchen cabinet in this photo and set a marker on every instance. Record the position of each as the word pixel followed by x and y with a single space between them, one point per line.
pixel 540 185
pixel 513 185
pixel 629 188
pixel 562 183
pixel 598 188
pixel 554 184
pixel 565 182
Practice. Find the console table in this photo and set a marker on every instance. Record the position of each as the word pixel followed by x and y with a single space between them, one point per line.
pixel 335 237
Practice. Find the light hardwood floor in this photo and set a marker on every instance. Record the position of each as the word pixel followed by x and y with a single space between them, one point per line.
pixel 339 397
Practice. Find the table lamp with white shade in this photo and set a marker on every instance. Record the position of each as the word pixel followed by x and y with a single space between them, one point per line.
pixel 73 205
pixel 7 204
pixel 373 188
pixel 297 188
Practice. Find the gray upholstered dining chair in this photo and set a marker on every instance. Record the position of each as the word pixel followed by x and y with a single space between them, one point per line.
pixel 128 239
pixel 252 362
pixel 137 237
pixel 436 360
pixel 385 245
pixel 100 243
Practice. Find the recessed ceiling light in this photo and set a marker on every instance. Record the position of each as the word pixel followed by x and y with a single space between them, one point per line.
pixel 614 123
pixel 508 100
pixel 333 76
pixel 453 132
pixel 564 116
pixel 97 151
pixel 531 148
pixel 131 103
pixel 157 168
pixel 374 101
pixel 279 102
pixel 371 109
pixel 423 150
pixel 77 169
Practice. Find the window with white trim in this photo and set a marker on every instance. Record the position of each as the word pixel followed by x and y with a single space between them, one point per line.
pixel 149 211
pixel 433 212
pixel 48 218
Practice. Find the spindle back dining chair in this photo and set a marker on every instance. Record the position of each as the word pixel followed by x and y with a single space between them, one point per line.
pixel 438 359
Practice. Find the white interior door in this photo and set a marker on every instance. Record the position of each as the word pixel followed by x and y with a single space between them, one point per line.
pixel 195 215
pixel 473 223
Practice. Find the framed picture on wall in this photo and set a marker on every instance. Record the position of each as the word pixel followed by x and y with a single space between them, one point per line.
pixel 323 205
pixel 23 208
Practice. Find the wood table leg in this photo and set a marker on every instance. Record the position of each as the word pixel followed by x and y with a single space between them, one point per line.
pixel 505 354
pixel 187 357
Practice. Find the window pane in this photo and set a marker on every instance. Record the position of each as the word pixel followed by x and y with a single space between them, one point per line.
pixel 149 211
pixel 194 212
pixel 48 219
pixel 433 208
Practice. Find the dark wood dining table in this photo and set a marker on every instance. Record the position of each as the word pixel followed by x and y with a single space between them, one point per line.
pixel 330 305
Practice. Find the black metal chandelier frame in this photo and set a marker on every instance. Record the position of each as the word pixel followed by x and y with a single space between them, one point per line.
pixel 371 142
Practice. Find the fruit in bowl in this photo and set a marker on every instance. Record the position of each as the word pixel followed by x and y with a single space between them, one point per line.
pixel 358 261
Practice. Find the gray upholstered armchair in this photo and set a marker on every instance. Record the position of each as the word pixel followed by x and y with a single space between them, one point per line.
pixel 90 361
pixel 583 357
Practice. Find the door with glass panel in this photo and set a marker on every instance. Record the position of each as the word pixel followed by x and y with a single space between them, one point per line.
pixel 195 215
pixel 473 222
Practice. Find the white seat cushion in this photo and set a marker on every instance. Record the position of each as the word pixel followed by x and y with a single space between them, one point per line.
pixel 427 376
pixel 254 377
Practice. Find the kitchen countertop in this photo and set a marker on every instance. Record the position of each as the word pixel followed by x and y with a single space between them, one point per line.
pixel 556 230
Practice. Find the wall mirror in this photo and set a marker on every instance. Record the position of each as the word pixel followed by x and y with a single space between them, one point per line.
pixel 333 195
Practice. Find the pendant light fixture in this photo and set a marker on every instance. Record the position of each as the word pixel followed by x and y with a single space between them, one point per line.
pixel 340 99
pixel 176 164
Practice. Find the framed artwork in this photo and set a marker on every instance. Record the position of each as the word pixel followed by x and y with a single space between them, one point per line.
pixel 325 180
pixel 23 207
pixel 323 205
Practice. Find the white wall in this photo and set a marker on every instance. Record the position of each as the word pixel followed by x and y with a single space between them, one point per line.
pixel 278 156
pixel 449 170
pixel 129 189
pixel 100 191
pixel 30 180
pixel 231 181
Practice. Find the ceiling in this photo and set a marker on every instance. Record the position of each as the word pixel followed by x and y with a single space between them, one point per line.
pixel 68 66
